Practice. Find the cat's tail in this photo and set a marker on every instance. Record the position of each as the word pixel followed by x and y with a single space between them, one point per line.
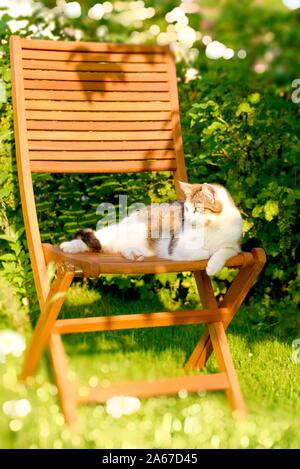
pixel 89 237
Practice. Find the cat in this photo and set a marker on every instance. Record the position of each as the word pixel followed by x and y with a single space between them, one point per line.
pixel 207 225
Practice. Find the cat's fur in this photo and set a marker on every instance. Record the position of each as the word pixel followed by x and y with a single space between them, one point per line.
pixel 207 225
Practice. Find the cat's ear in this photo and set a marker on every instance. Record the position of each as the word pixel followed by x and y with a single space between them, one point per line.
pixel 211 201
pixel 186 188
pixel 209 188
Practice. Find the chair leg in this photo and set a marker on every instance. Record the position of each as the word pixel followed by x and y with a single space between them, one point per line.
pixel 225 363
pixel 208 301
pixel 66 390
pixel 232 301
pixel 46 321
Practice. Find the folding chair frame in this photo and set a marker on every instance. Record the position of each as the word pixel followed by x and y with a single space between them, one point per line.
pixel 49 328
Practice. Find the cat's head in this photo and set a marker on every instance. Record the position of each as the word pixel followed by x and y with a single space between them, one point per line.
pixel 200 199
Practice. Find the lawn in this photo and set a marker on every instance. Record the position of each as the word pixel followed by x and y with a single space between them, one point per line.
pixel 269 380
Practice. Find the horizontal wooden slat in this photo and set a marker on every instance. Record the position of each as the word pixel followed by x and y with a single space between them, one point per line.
pixel 99 136
pixel 96 95
pixel 134 321
pixel 98 116
pixel 88 125
pixel 101 167
pixel 93 66
pixel 46 45
pixel 84 56
pixel 95 264
pixel 96 106
pixel 165 386
pixel 104 146
pixel 95 86
pixel 95 76
pixel 100 155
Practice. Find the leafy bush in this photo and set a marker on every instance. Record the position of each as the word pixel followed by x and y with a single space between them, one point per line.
pixel 240 128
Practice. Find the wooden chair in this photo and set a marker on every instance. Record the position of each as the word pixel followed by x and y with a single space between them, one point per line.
pixel 94 108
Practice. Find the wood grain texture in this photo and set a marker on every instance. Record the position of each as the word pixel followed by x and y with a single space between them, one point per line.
pixel 233 299
pixel 102 146
pixel 46 321
pixel 126 155
pixel 24 174
pixel 100 126
pixel 99 116
pixel 134 321
pixel 225 363
pixel 80 85
pixel 67 392
pixel 97 106
pixel 91 136
pixel 96 95
pixel 82 47
pixel 102 166
pixel 165 386
pixel 208 301
pixel 95 76
pixel 69 66
pixel 95 264
pixel 82 56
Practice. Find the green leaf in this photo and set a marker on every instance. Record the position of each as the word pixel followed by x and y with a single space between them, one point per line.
pixel 8 257
pixel 271 209
pixel 244 108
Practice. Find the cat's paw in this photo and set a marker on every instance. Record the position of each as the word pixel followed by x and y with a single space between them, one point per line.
pixel 73 247
pixel 133 254
pixel 214 266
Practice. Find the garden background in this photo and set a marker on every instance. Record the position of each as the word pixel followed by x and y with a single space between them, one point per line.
pixel 238 75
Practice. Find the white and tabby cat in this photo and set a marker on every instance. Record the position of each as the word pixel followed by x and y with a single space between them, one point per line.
pixel 207 225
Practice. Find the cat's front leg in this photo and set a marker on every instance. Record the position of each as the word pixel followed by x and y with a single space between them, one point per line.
pixel 73 247
pixel 218 260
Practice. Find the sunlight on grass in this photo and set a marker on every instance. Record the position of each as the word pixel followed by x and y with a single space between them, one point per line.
pixel 269 379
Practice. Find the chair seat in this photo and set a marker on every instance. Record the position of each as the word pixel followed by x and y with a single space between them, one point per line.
pixel 94 264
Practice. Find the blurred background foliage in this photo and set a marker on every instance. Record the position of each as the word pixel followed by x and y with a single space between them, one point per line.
pixel 236 65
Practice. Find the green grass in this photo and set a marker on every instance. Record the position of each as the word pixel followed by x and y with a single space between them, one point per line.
pixel 268 377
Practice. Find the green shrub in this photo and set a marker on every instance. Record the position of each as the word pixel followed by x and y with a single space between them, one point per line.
pixel 240 128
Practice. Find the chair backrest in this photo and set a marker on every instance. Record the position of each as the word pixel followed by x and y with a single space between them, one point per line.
pixel 91 107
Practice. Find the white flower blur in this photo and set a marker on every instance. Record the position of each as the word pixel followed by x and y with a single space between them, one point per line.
pixel 19 408
pixel 96 12
pixel 242 54
pixel 72 10
pixel 228 53
pixel 187 36
pixel 11 343
pixel 191 74
pixel 122 405
pixel 17 8
pixel 177 15
pixel 17 25
pixel 292 4
pixel 216 50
